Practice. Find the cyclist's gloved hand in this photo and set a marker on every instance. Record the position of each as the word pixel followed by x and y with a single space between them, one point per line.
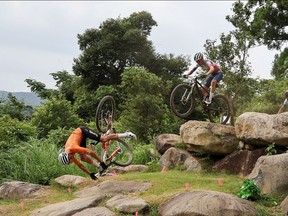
pixel 185 76
pixel 93 176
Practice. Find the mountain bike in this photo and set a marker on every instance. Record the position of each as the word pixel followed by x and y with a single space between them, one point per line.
pixel 118 151
pixel 105 113
pixel 183 102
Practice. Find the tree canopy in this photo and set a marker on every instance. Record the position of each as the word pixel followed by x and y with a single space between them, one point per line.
pixel 280 66
pixel 119 44
pixel 265 20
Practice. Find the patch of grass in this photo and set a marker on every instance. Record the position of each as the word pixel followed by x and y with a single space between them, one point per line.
pixel 53 194
pixel 165 185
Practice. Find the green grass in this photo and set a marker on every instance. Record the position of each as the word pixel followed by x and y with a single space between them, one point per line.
pixel 169 183
pixel 165 185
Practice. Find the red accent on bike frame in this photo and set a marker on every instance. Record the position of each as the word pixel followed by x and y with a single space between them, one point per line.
pixel 105 145
pixel 114 153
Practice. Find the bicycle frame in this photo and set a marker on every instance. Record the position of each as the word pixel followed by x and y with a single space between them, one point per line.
pixel 183 101
pixel 116 146
pixel 195 84
pixel 105 144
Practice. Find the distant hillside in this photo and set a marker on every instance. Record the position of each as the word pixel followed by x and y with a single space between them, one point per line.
pixel 28 98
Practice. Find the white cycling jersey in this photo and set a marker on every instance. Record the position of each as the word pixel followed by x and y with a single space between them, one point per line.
pixel 207 64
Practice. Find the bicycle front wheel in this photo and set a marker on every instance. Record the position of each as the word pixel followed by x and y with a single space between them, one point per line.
pixel 124 157
pixel 105 113
pixel 182 101
pixel 219 110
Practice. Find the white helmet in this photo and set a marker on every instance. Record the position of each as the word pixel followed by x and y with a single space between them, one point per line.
pixel 63 158
pixel 198 56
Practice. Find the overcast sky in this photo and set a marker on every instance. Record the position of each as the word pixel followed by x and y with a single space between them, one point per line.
pixel 38 38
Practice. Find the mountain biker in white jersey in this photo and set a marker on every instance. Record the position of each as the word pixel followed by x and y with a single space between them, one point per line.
pixel 284 104
pixel 214 75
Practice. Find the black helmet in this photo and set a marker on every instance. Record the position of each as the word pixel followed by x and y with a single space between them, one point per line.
pixel 286 94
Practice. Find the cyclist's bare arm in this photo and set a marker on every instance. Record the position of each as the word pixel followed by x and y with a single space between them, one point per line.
pixel 191 71
pixel 80 165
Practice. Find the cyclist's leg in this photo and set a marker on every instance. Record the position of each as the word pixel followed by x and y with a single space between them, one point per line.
pixel 207 85
pixel 215 80
pixel 81 150
pixel 89 160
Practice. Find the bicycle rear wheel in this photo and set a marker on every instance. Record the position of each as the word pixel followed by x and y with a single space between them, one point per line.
pixel 219 110
pixel 105 110
pixel 124 157
pixel 179 103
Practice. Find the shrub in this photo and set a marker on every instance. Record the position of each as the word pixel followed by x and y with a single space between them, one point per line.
pixel 249 190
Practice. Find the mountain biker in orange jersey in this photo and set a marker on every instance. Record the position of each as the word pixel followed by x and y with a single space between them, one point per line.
pixel 284 104
pixel 214 75
pixel 76 143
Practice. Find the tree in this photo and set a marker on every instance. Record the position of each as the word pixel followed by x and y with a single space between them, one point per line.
pixel 67 84
pixel 15 108
pixel 55 113
pixel 14 132
pixel 119 44
pixel 232 55
pixel 265 20
pixel 40 89
pixel 144 110
pixel 280 66
pixel 268 98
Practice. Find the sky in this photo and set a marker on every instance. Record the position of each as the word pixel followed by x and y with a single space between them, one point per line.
pixel 40 37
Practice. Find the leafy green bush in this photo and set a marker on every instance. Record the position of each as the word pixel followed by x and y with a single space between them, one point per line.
pixel 142 155
pixel 59 136
pixel 55 113
pixel 249 190
pixel 13 132
pixel 144 110
pixel 35 162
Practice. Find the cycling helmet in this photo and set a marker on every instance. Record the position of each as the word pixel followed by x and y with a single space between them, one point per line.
pixel 286 94
pixel 63 158
pixel 198 56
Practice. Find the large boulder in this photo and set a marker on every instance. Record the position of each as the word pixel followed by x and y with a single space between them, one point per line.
pixel 130 168
pixel 68 207
pixel 209 138
pixel 240 163
pixel 67 180
pixel 166 141
pixel 113 187
pixel 262 129
pixel 95 211
pixel 207 203
pixel 284 206
pixel 176 157
pixel 19 189
pixel 127 204
pixel 270 175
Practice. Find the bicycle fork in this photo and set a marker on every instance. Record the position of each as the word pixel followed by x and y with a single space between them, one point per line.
pixel 186 95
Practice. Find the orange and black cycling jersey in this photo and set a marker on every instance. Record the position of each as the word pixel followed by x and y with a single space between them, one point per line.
pixel 76 142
